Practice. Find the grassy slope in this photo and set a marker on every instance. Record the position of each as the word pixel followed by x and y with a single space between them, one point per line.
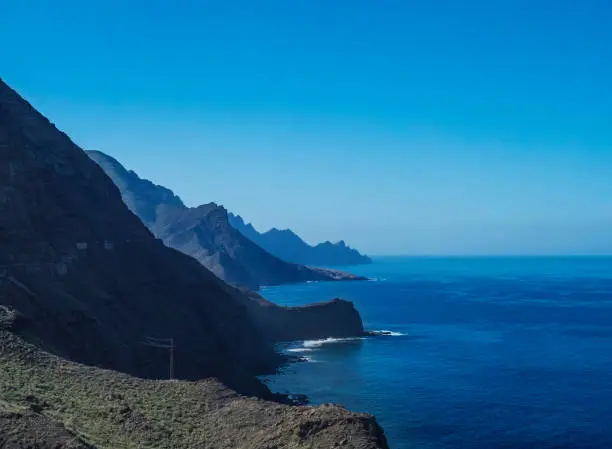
pixel 21 428
pixel 111 410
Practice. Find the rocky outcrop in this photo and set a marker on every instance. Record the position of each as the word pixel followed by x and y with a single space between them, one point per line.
pixel 204 233
pixel 337 318
pixel 287 245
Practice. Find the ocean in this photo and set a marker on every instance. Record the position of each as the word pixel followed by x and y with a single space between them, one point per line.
pixel 484 353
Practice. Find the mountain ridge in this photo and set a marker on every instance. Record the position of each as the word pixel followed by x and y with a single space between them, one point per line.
pixel 287 245
pixel 204 232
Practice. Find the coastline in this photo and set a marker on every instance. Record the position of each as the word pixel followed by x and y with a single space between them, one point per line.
pixel 295 352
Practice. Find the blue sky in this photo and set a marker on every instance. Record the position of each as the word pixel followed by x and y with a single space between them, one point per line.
pixel 403 127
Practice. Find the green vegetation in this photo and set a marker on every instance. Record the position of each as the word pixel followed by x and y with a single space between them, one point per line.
pixel 110 410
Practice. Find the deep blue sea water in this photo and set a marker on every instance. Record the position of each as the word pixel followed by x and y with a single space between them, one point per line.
pixel 493 352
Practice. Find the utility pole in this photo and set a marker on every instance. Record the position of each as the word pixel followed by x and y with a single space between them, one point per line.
pixel 171 368
pixel 163 343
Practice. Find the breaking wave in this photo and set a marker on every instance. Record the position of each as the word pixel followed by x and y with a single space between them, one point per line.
pixel 309 344
pixel 299 350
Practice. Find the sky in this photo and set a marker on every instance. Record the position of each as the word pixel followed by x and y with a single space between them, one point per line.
pixel 403 127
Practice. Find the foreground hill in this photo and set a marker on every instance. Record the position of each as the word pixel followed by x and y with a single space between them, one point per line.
pixel 205 233
pixel 50 403
pixel 287 245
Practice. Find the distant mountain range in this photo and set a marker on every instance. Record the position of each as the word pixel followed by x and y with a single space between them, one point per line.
pixel 205 233
pixel 287 245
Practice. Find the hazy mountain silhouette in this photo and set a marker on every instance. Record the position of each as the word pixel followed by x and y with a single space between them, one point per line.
pixel 204 232
pixel 287 245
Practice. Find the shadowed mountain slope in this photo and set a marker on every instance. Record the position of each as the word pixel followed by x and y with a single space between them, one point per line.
pixel 91 283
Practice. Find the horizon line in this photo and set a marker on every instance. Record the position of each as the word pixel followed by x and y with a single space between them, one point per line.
pixel 484 256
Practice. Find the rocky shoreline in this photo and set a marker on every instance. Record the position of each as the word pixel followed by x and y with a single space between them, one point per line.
pixel 336 318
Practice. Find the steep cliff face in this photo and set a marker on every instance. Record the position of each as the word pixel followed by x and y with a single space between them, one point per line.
pixel 287 245
pixel 91 283
pixel 204 233
pixel 336 318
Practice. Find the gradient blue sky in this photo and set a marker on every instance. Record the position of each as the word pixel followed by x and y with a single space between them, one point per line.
pixel 403 127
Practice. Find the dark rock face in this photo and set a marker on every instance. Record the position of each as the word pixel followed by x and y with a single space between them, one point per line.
pixel 204 233
pixel 91 283
pixel 336 318
pixel 284 243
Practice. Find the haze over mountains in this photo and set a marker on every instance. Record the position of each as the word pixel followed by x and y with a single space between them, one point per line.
pixel 82 281
pixel 205 233
pixel 287 245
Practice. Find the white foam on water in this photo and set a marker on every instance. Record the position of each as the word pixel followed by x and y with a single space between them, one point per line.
pixel 388 333
pixel 313 345
pixel 377 279
pixel 299 350
pixel 326 341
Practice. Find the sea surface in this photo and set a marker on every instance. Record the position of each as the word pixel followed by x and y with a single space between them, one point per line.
pixel 485 352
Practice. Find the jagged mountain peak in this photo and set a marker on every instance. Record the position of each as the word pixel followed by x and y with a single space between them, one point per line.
pixel 289 246
pixel 205 233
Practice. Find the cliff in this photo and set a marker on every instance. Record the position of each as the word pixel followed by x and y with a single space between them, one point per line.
pixel 82 280
pixel 205 233
pixel 79 268
pixel 336 318
pixel 287 245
